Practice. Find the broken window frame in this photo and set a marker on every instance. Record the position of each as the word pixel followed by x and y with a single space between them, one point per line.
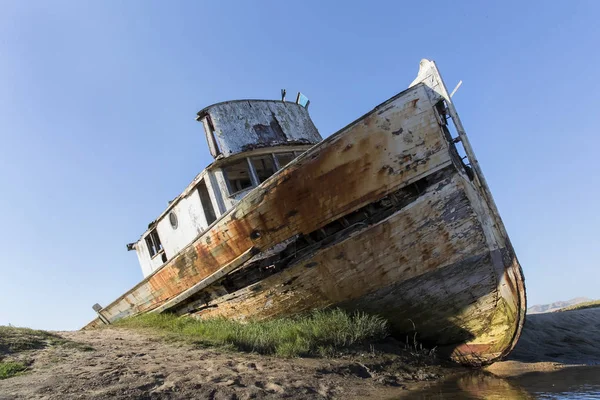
pixel 261 159
pixel 153 244
pixel 254 179
pixel 277 161
pixel 251 176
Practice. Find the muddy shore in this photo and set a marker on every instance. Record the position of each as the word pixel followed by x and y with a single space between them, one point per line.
pixel 553 341
pixel 124 363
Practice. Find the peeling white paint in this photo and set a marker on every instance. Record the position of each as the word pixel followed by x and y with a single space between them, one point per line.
pixel 241 129
pixel 244 125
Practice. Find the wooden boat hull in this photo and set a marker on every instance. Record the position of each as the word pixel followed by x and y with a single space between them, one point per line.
pixel 426 268
pixel 383 217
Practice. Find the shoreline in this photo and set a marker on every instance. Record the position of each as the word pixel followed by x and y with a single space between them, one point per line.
pixel 123 362
pixel 552 342
pixel 513 368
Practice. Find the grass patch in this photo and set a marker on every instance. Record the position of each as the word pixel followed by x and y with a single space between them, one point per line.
pixel 11 368
pixel 17 345
pixel 15 340
pixel 581 306
pixel 318 333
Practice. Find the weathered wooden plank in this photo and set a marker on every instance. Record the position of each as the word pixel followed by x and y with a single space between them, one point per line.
pixel 204 283
pixel 427 268
pixel 421 238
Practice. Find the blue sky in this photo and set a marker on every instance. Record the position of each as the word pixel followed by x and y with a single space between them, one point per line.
pixel 97 130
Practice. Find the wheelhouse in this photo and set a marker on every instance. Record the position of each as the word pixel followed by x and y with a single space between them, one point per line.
pixel 250 140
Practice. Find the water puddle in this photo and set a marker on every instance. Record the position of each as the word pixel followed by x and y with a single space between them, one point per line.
pixel 569 383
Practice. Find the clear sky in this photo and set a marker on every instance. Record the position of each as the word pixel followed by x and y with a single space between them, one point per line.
pixel 97 130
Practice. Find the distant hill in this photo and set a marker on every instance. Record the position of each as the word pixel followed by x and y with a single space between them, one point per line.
pixel 544 308
pixel 582 306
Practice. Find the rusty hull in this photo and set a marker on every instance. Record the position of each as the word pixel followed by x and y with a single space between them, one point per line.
pixel 430 253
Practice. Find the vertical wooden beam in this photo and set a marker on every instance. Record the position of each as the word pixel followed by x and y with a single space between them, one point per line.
pixel 98 308
pixel 275 162
pixel 253 175
pixel 215 193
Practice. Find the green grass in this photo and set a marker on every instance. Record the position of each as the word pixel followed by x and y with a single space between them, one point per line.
pixel 10 368
pixel 319 333
pixel 581 306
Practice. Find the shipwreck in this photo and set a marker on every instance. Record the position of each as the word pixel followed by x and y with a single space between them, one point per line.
pixel 385 216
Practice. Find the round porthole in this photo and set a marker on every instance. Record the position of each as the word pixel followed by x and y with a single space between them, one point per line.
pixel 173 220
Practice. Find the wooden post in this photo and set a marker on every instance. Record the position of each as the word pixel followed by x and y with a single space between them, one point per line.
pixel 98 308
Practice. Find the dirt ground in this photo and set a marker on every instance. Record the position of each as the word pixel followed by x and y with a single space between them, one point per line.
pixel 126 364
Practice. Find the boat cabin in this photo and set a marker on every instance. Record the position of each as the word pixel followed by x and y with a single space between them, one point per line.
pixel 249 140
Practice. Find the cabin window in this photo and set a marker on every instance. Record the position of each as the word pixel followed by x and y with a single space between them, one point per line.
pixel 284 158
pixel 238 176
pixel 264 167
pixel 153 243
pixel 209 211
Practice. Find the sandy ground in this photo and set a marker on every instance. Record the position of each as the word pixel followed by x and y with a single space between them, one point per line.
pixel 129 364
pixel 569 337
pixel 553 341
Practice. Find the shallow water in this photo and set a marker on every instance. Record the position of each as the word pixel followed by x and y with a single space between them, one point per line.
pixel 569 383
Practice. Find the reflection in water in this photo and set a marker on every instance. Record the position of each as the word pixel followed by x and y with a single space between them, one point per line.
pixel 475 385
pixel 569 383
